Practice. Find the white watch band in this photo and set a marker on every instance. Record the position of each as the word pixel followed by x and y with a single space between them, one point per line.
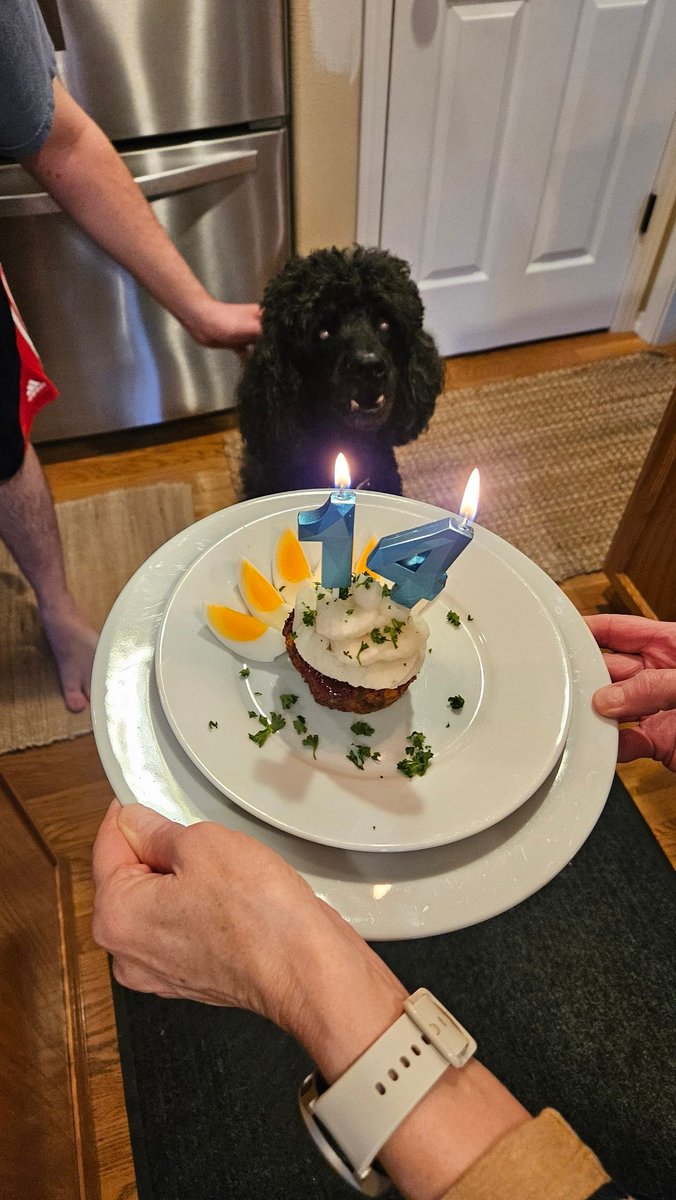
pixel 364 1107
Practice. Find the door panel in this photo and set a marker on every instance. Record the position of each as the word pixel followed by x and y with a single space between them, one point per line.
pixel 519 206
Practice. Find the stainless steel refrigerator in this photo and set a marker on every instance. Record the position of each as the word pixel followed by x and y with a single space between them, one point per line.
pixel 194 94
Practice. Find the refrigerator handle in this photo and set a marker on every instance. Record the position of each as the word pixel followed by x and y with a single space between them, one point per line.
pixel 160 183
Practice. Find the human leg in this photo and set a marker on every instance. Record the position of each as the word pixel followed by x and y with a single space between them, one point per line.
pixel 29 529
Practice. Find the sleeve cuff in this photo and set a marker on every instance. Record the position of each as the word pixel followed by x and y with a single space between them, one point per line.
pixel 542 1158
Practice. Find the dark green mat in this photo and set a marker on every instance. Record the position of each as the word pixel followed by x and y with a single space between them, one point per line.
pixel 570 997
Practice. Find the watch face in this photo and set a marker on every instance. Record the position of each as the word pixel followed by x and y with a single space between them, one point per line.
pixel 373 1183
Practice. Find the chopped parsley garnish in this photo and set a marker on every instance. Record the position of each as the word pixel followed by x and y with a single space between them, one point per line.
pixel 288 700
pixel 299 724
pixel 321 595
pixel 213 724
pixel 364 646
pixel 281 587
pixel 394 630
pixel 470 617
pixel 347 653
pixel 344 592
pixel 456 701
pixel 273 725
pixel 293 635
pixel 358 755
pixel 252 713
pixel 244 673
pixel 348 612
pixel 311 741
pixel 453 618
pixel 418 755
pixel 378 637
pixel 387 591
pixel 362 729
pixel 309 615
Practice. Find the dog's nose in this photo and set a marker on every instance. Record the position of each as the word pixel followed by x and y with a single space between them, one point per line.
pixel 367 365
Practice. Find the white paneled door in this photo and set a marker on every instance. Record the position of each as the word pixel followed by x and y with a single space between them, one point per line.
pixel 522 140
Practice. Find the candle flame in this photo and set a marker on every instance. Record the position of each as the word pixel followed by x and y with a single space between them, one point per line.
pixel 470 499
pixel 341 473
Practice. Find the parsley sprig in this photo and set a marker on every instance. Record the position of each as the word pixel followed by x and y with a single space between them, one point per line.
pixel 453 618
pixel 273 725
pixel 456 702
pixel 418 755
pixel 287 700
pixel 359 753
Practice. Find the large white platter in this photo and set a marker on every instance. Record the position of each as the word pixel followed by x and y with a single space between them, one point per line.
pixel 509 663
pixel 392 896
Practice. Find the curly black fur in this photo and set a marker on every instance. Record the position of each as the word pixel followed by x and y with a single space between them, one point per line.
pixel 343 363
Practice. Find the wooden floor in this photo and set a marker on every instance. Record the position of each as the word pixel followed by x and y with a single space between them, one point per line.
pixel 62 791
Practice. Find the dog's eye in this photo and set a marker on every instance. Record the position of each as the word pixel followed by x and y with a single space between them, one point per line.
pixel 324 335
pixel 384 326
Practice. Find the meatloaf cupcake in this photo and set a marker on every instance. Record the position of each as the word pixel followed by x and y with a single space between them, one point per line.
pixel 356 649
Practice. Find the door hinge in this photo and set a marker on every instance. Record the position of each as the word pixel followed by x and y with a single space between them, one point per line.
pixel 647 213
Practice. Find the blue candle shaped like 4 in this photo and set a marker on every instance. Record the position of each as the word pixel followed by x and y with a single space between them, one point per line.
pixel 333 526
pixel 416 560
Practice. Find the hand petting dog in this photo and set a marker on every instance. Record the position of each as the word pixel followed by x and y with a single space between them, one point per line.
pixel 343 363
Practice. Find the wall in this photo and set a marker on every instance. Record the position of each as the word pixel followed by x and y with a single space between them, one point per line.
pixel 326 44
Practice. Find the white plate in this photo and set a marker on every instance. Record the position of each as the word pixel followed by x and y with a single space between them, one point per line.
pixel 509 664
pixel 383 896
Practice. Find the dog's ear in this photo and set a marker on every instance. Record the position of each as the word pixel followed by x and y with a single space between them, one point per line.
pixel 267 399
pixel 417 395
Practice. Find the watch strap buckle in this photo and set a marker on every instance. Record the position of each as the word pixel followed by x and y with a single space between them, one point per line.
pixel 440 1027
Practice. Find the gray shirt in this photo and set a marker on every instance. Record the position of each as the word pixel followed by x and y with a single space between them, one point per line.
pixel 27 68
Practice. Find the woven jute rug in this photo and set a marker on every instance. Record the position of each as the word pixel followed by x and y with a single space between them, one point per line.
pixel 105 539
pixel 558 452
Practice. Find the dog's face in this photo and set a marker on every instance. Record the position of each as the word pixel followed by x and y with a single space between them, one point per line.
pixel 348 321
pixel 352 365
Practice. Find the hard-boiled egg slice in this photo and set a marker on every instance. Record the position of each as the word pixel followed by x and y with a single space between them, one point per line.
pixel 290 567
pixel 360 566
pixel 243 633
pixel 261 598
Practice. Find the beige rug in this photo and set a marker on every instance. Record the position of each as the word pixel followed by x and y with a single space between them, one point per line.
pixel 105 538
pixel 558 452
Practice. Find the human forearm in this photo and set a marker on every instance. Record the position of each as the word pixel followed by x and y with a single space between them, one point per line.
pixel 351 1000
pixel 82 171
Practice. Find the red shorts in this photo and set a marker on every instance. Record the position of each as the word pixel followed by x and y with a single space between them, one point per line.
pixel 24 386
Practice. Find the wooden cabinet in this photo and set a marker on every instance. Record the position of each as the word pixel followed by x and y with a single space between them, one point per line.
pixel 641 562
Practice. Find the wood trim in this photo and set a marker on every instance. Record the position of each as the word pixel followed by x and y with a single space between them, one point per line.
pixel 81 1110
pixel 375 87
pixel 641 564
pixel 628 593
pixel 647 246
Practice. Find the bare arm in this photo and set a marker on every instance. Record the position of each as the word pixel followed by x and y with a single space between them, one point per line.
pixel 83 172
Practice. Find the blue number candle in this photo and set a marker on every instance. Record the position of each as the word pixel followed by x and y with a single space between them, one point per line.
pixel 333 526
pixel 416 560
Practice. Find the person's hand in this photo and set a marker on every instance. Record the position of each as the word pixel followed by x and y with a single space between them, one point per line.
pixel 643 670
pixel 227 326
pixel 212 915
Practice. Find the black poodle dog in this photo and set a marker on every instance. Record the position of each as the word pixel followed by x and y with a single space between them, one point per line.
pixel 343 363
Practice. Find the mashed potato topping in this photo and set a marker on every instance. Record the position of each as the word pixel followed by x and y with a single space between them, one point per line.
pixel 359 635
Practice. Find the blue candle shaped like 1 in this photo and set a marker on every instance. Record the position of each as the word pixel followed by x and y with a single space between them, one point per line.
pixel 333 526
pixel 416 560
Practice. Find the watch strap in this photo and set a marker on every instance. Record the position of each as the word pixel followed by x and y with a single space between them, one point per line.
pixel 365 1105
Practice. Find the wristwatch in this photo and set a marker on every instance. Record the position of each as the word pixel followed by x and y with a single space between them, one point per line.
pixel 350 1120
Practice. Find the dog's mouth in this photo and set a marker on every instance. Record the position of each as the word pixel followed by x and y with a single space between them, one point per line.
pixel 366 410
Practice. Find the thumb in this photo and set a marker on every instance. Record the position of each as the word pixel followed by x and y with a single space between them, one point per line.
pixel 649 691
pixel 154 839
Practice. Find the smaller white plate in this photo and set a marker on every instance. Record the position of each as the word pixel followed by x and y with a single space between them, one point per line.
pixel 509 663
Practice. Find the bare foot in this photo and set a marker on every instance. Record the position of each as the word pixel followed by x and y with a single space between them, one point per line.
pixel 73 642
